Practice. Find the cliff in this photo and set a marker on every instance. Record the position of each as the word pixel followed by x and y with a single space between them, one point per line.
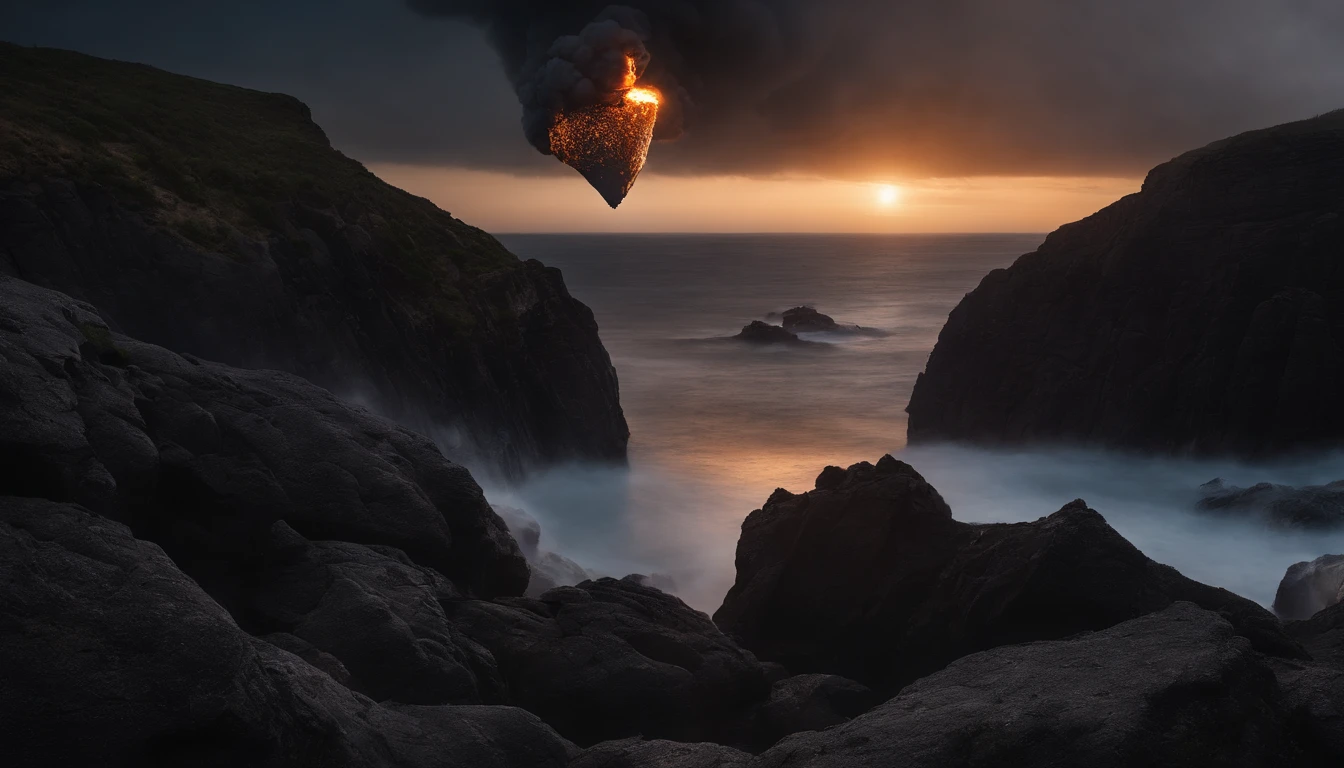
pixel 219 221
pixel 1204 314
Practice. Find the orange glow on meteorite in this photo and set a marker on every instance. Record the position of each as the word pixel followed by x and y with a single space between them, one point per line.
pixel 608 143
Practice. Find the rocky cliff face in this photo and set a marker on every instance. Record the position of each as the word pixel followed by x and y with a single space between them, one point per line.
pixel 1203 314
pixel 219 222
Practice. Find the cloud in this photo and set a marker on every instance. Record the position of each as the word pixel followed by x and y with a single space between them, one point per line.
pixel 840 88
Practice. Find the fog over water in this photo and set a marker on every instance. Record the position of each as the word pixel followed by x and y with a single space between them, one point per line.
pixel 717 425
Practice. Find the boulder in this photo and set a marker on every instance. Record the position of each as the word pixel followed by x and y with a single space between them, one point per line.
pixel 809 703
pixel 757 332
pixel 610 659
pixel 1173 688
pixel 203 459
pixel 112 656
pixel 637 753
pixel 1310 587
pixel 869 577
pixel 548 569
pixel 1203 314
pixel 1312 506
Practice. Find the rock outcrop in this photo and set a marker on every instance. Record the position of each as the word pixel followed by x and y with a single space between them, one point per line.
pixel 1174 688
pixel 1310 587
pixel 1202 314
pixel 306 518
pixel 549 569
pixel 219 222
pixel 611 659
pixel 869 577
pixel 809 320
pixel 1312 506
pixel 757 332
pixel 637 753
pixel 112 657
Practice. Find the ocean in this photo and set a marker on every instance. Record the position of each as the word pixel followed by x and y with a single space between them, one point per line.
pixel 717 425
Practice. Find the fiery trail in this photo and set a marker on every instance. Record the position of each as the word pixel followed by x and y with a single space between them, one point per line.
pixel 608 143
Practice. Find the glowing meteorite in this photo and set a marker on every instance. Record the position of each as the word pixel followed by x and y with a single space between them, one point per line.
pixel 608 143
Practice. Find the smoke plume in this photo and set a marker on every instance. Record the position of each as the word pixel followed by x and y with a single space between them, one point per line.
pixel 700 55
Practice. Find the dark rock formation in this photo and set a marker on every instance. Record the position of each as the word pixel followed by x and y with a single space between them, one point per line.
pixel 809 703
pixel 870 577
pixel 1323 637
pixel 635 753
pixel 610 659
pixel 1313 506
pixel 1175 688
pixel 111 656
pixel 1310 587
pixel 809 320
pixel 757 332
pixel 549 569
pixel 263 247
pixel 1201 314
pixel 233 472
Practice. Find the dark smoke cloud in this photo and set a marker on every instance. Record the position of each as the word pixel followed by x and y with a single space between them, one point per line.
pixel 944 87
pixel 699 54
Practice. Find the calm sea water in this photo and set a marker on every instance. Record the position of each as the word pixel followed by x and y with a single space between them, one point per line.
pixel 717 425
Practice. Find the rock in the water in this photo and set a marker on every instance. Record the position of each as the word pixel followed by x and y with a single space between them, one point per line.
pixel 111 656
pixel 1310 587
pixel 809 703
pixel 251 241
pixel 610 659
pixel 1312 506
pixel 637 753
pixel 1203 314
pixel 1175 688
pixel 870 577
pixel 757 332
pixel 809 320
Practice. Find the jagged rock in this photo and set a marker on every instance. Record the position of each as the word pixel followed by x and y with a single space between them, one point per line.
pixel 1174 688
pixel 111 656
pixel 1310 587
pixel 249 240
pixel 610 659
pixel 548 569
pixel 757 332
pixel 809 703
pixel 1323 636
pixel 1202 314
pixel 1312 506
pixel 636 753
pixel 311 654
pixel 871 578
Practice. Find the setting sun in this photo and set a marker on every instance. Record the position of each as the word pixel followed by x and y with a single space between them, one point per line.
pixel 888 195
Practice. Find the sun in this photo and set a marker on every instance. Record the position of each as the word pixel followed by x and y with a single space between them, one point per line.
pixel 888 195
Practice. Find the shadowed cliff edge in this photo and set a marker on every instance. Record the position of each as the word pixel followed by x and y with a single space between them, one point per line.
pixel 218 221
pixel 1203 314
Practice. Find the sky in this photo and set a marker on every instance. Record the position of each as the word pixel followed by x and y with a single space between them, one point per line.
pixel 779 115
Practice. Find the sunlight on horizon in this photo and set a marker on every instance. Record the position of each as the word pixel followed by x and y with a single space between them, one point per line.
pixel 504 203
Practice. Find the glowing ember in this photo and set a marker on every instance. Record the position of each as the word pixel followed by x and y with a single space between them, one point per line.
pixel 608 143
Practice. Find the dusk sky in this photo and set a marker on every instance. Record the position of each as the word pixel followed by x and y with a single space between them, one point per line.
pixel 800 115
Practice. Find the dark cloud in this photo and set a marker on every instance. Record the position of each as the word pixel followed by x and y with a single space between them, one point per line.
pixel 837 87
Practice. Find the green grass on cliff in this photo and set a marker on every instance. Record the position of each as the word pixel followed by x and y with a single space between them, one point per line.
pixel 206 160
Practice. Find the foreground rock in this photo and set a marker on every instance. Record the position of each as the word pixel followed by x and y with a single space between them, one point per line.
pixel 1313 506
pixel 637 753
pixel 757 332
pixel 869 577
pixel 1201 314
pixel 1174 688
pixel 228 227
pixel 611 659
pixel 303 516
pixel 112 657
pixel 1308 588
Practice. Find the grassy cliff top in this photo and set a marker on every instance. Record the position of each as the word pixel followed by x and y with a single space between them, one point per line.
pixel 204 159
